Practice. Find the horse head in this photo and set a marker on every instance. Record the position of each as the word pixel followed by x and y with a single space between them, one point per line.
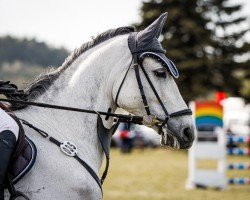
pixel 157 98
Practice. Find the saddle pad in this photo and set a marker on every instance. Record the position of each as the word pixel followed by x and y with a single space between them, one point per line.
pixel 22 164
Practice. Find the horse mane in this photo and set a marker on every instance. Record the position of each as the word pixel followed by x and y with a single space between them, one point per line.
pixel 37 87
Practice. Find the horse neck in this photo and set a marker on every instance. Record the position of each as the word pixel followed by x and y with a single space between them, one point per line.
pixel 86 84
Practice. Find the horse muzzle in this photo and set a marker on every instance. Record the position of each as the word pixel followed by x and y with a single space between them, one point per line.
pixel 176 138
pixel 182 140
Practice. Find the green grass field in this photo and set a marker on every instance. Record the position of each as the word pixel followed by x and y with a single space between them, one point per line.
pixel 161 174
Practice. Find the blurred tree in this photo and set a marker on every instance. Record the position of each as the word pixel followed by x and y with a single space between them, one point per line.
pixel 206 61
pixel 30 51
pixel 231 54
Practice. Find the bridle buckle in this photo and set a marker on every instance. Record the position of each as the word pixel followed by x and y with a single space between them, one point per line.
pixel 149 120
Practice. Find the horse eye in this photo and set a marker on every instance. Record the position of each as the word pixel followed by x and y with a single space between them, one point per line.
pixel 160 73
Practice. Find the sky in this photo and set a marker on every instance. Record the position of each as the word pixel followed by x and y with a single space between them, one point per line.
pixel 66 23
pixel 69 23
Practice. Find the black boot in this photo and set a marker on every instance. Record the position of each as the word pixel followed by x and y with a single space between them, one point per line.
pixel 7 146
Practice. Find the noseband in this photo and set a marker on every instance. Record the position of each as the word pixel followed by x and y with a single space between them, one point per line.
pixel 149 119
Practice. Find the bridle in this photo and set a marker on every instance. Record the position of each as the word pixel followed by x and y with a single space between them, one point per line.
pixel 136 63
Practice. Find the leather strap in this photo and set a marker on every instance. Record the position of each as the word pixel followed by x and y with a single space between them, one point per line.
pixel 120 87
pixel 14 194
pixel 58 143
pixel 104 136
pixel 154 90
pixel 144 98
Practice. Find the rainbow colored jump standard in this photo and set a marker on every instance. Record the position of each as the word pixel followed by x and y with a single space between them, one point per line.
pixel 208 113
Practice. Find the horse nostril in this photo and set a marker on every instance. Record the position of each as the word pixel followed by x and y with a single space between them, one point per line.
pixel 188 135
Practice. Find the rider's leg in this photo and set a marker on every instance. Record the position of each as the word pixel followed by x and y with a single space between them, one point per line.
pixel 8 137
pixel 8 123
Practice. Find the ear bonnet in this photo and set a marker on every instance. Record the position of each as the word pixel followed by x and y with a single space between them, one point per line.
pixel 145 43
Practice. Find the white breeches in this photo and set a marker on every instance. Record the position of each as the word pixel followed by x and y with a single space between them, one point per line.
pixel 7 123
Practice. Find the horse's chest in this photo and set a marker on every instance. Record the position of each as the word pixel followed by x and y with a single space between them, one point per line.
pixel 57 176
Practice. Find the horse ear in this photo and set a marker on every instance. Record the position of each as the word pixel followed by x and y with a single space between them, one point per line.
pixel 152 31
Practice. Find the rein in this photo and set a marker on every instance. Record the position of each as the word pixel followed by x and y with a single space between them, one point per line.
pixel 117 117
